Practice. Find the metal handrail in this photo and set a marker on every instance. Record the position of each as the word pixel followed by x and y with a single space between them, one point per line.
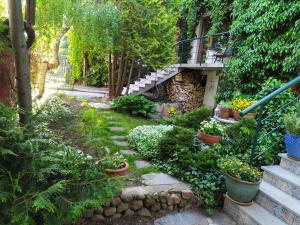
pixel 269 97
pixel 201 37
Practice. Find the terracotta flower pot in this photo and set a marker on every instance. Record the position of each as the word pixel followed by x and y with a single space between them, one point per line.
pixel 236 115
pixel 251 115
pixel 209 139
pixel 118 172
pixel 242 192
pixel 224 113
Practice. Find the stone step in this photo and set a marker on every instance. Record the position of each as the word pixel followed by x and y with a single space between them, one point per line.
pixel 250 215
pixel 280 204
pixel 283 180
pixel 290 164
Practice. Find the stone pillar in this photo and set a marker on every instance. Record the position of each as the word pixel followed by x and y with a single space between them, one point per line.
pixel 211 88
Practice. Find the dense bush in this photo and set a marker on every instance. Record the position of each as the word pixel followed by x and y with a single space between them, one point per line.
pixel 44 181
pixel 135 105
pixel 146 139
pixel 193 118
pixel 292 123
pixel 174 141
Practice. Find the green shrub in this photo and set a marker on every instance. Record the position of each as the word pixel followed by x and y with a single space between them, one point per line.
pixel 135 105
pixel 206 160
pixel 292 123
pixel 43 180
pixel 193 118
pixel 146 139
pixel 176 144
pixel 54 111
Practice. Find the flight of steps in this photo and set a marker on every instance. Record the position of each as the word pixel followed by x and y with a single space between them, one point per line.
pixel 278 199
pixel 150 81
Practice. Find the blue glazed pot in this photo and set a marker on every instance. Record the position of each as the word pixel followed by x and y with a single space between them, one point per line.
pixel 292 145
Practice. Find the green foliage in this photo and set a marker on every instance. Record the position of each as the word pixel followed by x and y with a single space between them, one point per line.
pixel 292 123
pixel 240 170
pixel 193 118
pixel 97 72
pixel 274 120
pixel 54 111
pixel 43 180
pixel 134 105
pixel 175 145
pixel 4 41
pixel 265 35
pixel 147 138
pixel 206 160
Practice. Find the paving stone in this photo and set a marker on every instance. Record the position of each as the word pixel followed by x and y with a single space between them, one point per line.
pixel 159 179
pixel 118 137
pixel 128 152
pixel 113 122
pixel 116 128
pixel 121 143
pixel 141 164
pixel 191 217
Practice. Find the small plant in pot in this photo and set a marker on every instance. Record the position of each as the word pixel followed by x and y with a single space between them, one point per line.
pixel 225 109
pixel 242 180
pixel 292 137
pixel 240 104
pixel 211 132
pixel 115 164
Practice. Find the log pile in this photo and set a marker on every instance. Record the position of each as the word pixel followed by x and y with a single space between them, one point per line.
pixel 186 90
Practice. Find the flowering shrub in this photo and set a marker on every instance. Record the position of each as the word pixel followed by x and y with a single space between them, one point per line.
pixel 172 111
pixel 241 104
pixel 146 139
pixel 212 128
pixel 240 170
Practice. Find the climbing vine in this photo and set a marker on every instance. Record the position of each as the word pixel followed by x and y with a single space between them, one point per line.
pixel 265 37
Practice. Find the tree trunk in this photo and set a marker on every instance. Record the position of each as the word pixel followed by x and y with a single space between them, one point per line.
pixel 109 74
pixel 42 71
pixel 16 27
pixel 113 75
pixel 120 73
pixel 85 68
pixel 123 77
pixel 140 70
pixel 130 77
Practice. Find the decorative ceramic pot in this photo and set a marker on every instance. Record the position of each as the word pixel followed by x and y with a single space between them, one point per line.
pixel 224 113
pixel 251 115
pixel 209 139
pixel 242 192
pixel 236 115
pixel 292 145
pixel 118 172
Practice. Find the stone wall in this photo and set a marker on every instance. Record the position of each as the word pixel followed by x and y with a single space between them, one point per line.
pixel 187 89
pixel 141 201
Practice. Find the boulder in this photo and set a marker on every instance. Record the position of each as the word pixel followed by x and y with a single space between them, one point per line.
pixel 122 207
pixel 144 212
pixel 173 199
pixel 110 211
pixel 116 201
pixel 156 207
pixel 129 212
pixel 99 211
pixel 187 194
pixel 88 213
pixel 136 204
pixel 149 202
pixel 97 218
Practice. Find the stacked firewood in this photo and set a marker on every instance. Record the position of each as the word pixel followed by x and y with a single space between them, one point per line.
pixel 186 90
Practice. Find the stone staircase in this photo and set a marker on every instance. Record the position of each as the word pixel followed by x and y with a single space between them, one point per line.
pixel 150 81
pixel 278 199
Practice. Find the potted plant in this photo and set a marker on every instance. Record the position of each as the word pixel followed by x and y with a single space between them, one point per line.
pixel 211 132
pixel 225 109
pixel 292 137
pixel 242 181
pixel 115 164
pixel 241 104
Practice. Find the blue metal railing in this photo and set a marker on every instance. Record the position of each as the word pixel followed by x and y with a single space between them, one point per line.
pixel 260 106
